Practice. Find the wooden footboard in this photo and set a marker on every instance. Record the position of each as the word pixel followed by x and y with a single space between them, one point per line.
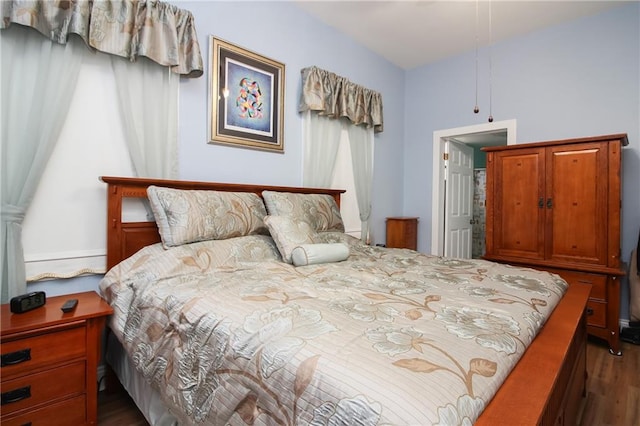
pixel 548 383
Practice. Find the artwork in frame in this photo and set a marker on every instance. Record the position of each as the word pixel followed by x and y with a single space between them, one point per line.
pixel 246 98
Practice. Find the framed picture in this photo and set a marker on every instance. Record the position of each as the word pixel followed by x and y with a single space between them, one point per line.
pixel 246 98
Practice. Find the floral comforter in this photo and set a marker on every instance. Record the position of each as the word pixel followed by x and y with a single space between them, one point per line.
pixel 230 334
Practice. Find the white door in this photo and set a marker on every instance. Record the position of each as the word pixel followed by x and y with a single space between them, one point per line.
pixel 458 216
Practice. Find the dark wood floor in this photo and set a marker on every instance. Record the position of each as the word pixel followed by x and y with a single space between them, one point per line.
pixel 613 392
pixel 613 386
pixel 118 409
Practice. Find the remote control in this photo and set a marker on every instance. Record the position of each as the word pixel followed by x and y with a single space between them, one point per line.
pixel 69 305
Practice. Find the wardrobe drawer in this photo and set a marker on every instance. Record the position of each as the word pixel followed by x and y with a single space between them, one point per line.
pixel 596 313
pixel 598 282
pixel 30 353
pixel 65 413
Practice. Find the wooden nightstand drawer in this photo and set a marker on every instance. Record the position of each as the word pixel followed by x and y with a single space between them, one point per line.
pixel 43 350
pixel 596 313
pixel 64 413
pixel 35 389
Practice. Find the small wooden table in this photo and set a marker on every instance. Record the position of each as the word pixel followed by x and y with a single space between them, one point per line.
pixel 402 232
pixel 50 361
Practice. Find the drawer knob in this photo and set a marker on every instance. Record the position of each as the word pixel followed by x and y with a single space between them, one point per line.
pixel 589 311
pixel 16 395
pixel 16 357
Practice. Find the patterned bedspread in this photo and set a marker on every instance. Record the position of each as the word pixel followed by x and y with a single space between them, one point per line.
pixel 230 334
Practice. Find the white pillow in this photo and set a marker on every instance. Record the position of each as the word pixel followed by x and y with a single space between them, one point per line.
pixel 311 254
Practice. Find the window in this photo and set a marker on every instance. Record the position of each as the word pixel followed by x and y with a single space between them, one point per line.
pixel 64 228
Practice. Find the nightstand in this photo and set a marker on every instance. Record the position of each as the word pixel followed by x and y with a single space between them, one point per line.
pixel 402 232
pixel 50 361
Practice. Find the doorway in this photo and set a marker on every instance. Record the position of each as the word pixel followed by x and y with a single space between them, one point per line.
pixel 477 136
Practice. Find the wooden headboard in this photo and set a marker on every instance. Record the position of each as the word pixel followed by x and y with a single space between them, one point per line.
pixel 126 238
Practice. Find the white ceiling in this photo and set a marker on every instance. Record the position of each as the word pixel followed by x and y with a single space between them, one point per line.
pixel 414 33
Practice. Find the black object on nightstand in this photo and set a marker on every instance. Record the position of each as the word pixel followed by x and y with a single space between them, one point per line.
pixel 27 302
pixel 69 305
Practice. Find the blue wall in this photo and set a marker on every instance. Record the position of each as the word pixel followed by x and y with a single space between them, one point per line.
pixel 573 80
pixel 282 31
pixel 285 33
pixel 576 79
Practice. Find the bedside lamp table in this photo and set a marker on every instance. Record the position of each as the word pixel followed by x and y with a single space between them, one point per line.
pixel 50 361
pixel 402 232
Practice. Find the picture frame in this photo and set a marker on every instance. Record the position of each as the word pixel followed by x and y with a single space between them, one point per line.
pixel 246 98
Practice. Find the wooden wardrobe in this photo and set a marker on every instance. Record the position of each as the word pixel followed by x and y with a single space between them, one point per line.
pixel 556 206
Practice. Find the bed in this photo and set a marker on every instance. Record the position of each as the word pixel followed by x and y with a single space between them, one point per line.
pixel 282 318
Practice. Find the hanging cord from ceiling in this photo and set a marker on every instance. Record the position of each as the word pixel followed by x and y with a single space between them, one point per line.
pixel 476 109
pixel 490 61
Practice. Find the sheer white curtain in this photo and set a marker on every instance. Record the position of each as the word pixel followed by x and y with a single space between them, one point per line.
pixel 321 142
pixel 148 99
pixel 356 108
pixel 38 80
pixel 361 142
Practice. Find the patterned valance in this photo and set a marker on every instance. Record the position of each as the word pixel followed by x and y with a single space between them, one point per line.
pixel 128 28
pixel 336 96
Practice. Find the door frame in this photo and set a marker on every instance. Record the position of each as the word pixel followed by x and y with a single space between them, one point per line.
pixel 437 193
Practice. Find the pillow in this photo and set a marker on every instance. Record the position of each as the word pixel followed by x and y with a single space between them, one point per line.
pixel 319 210
pixel 311 254
pixel 288 233
pixel 187 216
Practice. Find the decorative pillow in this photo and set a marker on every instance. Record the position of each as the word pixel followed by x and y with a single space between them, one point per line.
pixel 187 216
pixel 311 254
pixel 319 210
pixel 288 233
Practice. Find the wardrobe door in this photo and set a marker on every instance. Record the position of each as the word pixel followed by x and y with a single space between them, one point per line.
pixel 515 198
pixel 576 204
